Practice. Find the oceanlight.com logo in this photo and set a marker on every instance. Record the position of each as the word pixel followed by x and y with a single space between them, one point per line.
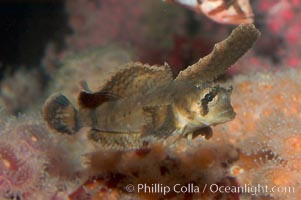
pixel 158 188
pixel 251 189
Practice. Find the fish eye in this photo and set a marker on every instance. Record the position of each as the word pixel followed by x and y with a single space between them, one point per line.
pixel 208 97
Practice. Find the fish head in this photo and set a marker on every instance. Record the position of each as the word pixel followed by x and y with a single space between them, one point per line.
pixel 205 106
pixel 214 105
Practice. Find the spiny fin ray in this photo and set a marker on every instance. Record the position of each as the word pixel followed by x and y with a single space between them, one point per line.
pixel 136 78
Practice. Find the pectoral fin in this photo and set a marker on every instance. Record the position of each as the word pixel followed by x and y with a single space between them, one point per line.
pixel 111 140
pixel 155 115
pixel 160 122
pixel 206 132
pixel 60 114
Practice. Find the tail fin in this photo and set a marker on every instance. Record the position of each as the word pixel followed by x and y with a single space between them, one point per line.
pixel 60 114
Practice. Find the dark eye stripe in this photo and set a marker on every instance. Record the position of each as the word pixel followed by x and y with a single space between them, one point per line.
pixel 210 95
pixel 208 98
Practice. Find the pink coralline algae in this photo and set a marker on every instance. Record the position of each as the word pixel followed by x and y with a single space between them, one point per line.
pixel 22 164
pixel 183 34
pixel 154 30
pixel 281 30
pixel 92 21
pixel 27 159
pixel 97 23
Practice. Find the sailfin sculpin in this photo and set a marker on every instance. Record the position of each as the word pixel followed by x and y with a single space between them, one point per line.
pixel 142 103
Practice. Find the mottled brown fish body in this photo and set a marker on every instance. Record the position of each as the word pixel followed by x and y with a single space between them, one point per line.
pixel 178 108
pixel 119 116
pixel 129 114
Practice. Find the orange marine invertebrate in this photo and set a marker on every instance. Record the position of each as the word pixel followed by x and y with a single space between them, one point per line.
pixel 266 131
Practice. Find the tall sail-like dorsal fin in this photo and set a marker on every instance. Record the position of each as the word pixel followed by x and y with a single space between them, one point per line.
pixel 224 54
pixel 137 78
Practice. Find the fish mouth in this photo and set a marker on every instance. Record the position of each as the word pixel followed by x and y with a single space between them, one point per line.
pixel 226 115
